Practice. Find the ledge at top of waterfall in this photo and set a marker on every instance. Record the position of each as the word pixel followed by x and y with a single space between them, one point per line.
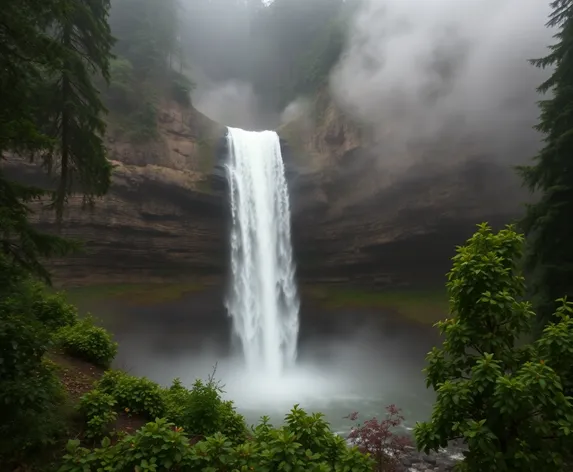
pixel 263 300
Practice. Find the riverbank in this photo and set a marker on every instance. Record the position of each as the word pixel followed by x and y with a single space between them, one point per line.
pixel 425 306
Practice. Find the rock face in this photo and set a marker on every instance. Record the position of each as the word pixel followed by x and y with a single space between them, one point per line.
pixel 160 219
pixel 165 216
pixel 360 218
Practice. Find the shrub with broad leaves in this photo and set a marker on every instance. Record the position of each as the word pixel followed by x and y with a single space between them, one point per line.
pixel 97 408
pixel 201 411
pixel 134 395
pixel 53 310
pixel 31 395
pixel 87 341
pixel 380 440
pixel 505 399
pixel 158 446
pixel 304 444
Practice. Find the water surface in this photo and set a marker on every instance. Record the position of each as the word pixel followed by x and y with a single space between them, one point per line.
pixel 349 360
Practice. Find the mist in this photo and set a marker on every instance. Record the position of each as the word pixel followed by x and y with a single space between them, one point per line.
pixel 233 103
pixel 445 71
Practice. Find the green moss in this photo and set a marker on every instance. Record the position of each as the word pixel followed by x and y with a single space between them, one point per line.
pixel 423 306
pixel 133 294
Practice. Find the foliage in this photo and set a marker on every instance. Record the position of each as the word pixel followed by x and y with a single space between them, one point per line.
pixel 121 95
pixel 377 438
pixel 31 396
pixel 181 87
pixel 506 401
pixel 53 309
pixel 144 122
pixel 32 56
pixel 97 408
pixel 148 50
pixel 202 412
pixel 20 243
pixel 31 405
pixel 548 225
pixel 147 33
pixel 158 446
pixel 134 395
pixel 87 341
pixel 304 444
pixel 72 108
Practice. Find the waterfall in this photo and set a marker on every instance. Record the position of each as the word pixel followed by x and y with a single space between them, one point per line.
pixel 263 300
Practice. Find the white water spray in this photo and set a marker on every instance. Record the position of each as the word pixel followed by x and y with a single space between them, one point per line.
pixel 263 301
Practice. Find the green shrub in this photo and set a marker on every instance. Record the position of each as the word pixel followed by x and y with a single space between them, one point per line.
pixel 505 400
pixel 202 412
pixel 143 122
pixel 306 444
pixel 158 446
pixel 31 395
pixel 134 395
pixel 87 341
pixel 181 88
pixel 97 408
pixel 54 311
pixel 31 407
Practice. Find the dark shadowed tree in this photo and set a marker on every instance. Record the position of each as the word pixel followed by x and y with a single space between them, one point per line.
pixel 74 110
pixel 33 58
pixel 549 222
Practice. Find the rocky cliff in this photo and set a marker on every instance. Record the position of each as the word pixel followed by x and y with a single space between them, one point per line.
pixel 355 219
pixel 161 220
pixel 372 216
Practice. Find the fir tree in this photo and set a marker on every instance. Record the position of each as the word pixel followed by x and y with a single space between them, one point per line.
pixel 549 222
pixel 34 57
pixel 74 107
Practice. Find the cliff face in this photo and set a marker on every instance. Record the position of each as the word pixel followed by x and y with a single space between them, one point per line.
pixel 160 219
pixel 370 218
pixel 355 218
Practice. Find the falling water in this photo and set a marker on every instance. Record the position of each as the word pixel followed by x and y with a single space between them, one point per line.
pixel 263 299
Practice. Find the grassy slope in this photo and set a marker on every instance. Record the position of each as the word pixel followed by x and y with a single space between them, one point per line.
pixel 423 306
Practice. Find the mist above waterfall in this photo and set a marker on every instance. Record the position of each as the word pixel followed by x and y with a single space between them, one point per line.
pixel 422 72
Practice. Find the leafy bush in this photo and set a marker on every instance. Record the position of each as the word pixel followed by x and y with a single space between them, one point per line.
pixel 181 88
pixel 305 444
pixel 158 446
pixel 31 411
pixel 30 393
pixel 121 95
pixel 98 410
pixel 134 395
pixel 378 439
pixel 202 412
pixel 87 341
pixel 143 122
pixel 506 401
pixel 53 310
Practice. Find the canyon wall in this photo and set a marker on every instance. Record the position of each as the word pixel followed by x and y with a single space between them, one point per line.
pixel 160 221
pixel 373 217
pixel 353 220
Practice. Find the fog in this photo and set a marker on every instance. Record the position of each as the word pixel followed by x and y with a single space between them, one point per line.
pixel 417 73
pixel 348 361
pixel 422 71
pixel 233 103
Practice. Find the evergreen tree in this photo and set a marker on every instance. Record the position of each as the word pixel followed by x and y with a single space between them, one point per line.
pixel 44 44
pixel 74 107
pixel 549 222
